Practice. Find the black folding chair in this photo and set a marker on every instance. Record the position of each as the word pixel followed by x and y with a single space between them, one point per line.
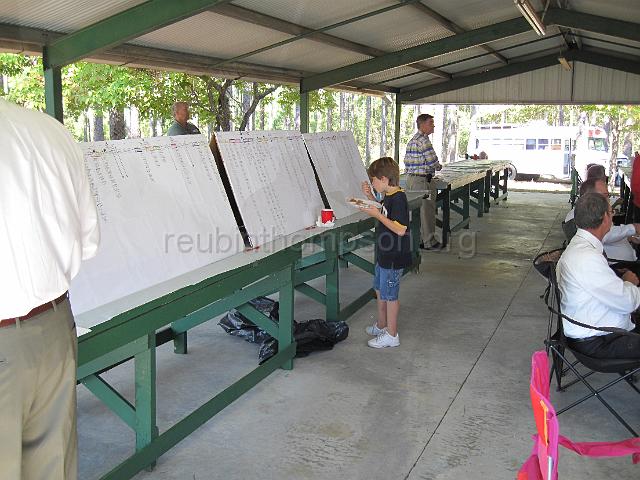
pixel 558 345
pixel 569 228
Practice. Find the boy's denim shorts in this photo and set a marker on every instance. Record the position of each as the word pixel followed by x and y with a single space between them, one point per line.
pixel 387 282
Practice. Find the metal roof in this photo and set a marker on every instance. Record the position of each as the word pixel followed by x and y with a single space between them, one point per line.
pixel 423 51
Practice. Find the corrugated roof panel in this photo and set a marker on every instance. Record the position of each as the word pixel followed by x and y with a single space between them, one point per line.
pixel 383 32
pixel 420 78
pixel 308 55
pixel 619 9
pixel 527 44
pixel 61 15
pixel 603 85
pixel 389 74
pixel 314 14
pixel 473 14
pixel 547 85
pixel 212 35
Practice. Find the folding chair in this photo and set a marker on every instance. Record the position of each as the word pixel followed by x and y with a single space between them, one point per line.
pixel 543 462
pixel 558 345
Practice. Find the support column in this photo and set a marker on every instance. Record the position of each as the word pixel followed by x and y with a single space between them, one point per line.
pixel 304 112
pixel 396 149
pixel 52 88
pixel 285 314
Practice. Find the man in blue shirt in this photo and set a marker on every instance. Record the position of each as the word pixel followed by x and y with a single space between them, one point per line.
pixel 421 163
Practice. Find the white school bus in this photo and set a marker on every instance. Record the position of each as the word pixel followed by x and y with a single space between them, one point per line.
pixel 535 150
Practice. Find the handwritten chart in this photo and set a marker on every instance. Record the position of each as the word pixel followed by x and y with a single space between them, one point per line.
pixel 339 166
pixel 272 181
pixel 163 211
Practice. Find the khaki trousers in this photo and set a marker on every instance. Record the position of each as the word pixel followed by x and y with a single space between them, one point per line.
pixel 428 208
pixel 38 397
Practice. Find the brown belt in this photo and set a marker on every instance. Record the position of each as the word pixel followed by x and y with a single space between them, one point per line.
pixel 36 311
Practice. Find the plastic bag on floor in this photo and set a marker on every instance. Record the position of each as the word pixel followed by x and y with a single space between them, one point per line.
pixel 234 323
pixel 311 336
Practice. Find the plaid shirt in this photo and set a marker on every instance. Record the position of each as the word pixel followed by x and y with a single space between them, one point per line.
pixel 420 158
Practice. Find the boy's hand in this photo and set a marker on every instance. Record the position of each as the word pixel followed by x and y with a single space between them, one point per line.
pixel 372 211
pixel 366 189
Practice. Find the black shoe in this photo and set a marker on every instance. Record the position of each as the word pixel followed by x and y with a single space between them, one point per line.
pixel 435 246
pixel 423 247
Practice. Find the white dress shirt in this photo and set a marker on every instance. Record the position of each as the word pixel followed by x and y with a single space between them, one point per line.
pixel 616 241
pixel 591 292
pixel 48 218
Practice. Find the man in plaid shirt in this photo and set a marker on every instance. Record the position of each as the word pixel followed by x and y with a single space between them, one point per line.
pixel 421 163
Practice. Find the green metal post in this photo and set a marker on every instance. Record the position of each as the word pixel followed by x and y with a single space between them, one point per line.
pixel 145 373
pixel 285 319
pixel 465 203
pixel 52 88
pixel 332 280
pixel 304 112
pixel 396 150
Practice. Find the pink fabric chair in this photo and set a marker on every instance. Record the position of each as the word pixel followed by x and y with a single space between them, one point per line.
pixel 543 462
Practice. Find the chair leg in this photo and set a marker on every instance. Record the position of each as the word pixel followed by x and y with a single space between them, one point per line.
pixel 596 393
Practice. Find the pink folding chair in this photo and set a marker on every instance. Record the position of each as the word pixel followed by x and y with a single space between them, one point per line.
pixel 543 462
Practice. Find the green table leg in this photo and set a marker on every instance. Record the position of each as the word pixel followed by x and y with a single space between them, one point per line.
pixel 285 322
pixel 332 280
pixel 145 373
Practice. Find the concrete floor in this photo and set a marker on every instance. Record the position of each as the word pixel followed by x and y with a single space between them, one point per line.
pixel 450 403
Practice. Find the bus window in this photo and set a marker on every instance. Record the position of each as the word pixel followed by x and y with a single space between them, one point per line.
pixel 598 144
pixel 556 144
pixel 531 143
pixel 543 143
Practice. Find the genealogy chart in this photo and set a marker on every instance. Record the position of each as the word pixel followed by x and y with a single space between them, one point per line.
pixel 339 166
pixel 272 181
pixel 162 210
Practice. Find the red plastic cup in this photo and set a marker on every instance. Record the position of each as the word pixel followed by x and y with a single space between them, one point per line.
pixel 326 215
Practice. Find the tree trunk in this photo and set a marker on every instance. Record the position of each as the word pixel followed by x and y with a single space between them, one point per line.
pixel 86 130
pixel 627 145
pixel 246 103
pixel 614 124
pixel 117 126
pixel 330 118
pixel 255 101
pixel 561 115
pixel 367 134
pixel 153 125
pixel 342 111
pixel 1 84
pixel 296 118
pixel 383 127
pixel 98 127
pixel 262 117
pixel 223 106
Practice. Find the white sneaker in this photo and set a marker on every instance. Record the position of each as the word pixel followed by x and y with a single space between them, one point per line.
pixel 384 340
pixel 374 330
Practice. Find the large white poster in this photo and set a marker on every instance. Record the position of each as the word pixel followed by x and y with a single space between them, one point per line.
pixel 340 169
pixel 163 212
pixel 272 181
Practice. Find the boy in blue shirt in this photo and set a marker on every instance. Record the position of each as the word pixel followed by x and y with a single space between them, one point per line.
pixel 392 246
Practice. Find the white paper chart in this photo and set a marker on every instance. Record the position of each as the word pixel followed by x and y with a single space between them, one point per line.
pixel 339 166
pixel 163 211
pixel 272 181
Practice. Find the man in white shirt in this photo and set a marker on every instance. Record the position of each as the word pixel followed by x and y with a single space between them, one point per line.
pixel 591 292
pixel 48 225
pixel 616 241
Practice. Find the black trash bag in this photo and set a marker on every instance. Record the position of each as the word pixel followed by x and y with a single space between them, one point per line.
pixel 234 323
pixel 311 336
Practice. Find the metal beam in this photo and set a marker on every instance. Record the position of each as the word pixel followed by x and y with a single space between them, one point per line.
pixel 299 32
pixel 471 80
pixel 121 27
pixel 420 52
pixel 455 28
pixel 53 91
pixel 601 58
pixel 593 23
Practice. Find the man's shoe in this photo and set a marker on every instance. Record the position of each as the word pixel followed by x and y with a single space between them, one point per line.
pixel 435 246
pixel 384 340
pixel 373 330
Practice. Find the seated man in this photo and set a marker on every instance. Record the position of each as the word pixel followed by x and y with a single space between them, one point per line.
pixel 591 293
pixel 616 241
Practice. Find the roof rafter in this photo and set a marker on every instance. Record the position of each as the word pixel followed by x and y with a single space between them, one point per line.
pixel 121 27
pixel 404 57
pixel 455 28
pixel 593 23
pixel 319 35
pixel 514 68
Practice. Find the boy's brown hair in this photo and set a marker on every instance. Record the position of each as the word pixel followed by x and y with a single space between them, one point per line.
pixel 385 167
